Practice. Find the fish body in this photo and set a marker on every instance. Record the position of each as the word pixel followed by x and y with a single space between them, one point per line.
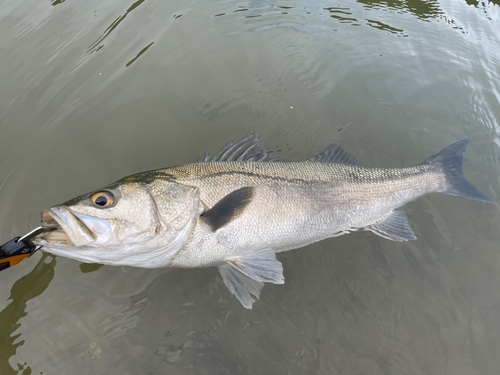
pixel 293 204
pixel 236 210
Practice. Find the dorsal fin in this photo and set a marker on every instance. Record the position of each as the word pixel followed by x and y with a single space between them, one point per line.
pixel 228 208
pixel 248 149
pixel 335 154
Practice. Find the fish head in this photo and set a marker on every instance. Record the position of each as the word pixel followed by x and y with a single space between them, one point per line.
pixel 141 220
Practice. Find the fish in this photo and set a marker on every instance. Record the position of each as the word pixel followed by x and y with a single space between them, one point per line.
pixel 236 210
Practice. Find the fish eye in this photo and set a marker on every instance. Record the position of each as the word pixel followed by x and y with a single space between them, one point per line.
pixel 102 199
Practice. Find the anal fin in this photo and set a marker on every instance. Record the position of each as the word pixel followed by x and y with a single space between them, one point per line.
pixel 394 227
pixel 246 274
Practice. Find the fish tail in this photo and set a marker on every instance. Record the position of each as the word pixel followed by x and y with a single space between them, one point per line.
pixel 451 159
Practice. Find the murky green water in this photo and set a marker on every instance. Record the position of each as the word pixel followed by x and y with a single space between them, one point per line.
pixel 91 91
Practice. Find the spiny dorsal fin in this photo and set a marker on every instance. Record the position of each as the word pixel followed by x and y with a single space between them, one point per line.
pixel 335 154
pixel 394 227
pixel 228 208
pixel 247 273
pixel 248 149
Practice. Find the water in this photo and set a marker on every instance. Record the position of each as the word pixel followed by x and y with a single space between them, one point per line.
pixel 91 91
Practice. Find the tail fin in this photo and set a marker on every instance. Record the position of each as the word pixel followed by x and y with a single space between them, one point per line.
pixel 452 158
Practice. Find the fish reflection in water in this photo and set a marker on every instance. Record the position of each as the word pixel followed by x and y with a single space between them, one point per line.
pixel 26 288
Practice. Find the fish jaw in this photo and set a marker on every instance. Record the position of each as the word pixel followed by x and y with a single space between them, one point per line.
pixel 74 230
pixel 101 229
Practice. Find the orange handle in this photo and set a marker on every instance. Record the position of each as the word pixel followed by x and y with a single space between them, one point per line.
pixel 15 259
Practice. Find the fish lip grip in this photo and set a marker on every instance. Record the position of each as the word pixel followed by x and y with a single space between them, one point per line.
pixel 19 248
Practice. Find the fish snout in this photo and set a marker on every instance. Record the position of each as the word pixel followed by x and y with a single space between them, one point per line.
pixel 70 228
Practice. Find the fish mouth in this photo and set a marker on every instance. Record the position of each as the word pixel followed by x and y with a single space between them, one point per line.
pixel 69 227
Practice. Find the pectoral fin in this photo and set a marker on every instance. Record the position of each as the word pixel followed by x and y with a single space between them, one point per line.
pixel 394 227
pixel 228 208
pixel 246 274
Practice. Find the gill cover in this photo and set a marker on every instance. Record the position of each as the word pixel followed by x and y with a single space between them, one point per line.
pixel 177 207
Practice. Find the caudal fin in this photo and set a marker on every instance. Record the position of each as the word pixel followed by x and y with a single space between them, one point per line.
pixel 451 159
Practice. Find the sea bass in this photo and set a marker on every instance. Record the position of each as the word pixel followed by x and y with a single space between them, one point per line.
pixel 235 211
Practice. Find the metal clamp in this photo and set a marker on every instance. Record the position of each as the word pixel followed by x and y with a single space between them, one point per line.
pixel 19 248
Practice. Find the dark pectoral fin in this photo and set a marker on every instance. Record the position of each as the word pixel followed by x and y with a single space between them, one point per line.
pixel 247 273
pixel 228 208
pixel 394 227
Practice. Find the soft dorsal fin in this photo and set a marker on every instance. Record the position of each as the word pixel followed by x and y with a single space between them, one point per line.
pixel 228 208
pixel 335 154
pixel 247 273
pixel 248 149
pixel 394 227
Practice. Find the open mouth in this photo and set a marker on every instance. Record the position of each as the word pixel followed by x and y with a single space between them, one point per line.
pixel 57 234
pixel 69 228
